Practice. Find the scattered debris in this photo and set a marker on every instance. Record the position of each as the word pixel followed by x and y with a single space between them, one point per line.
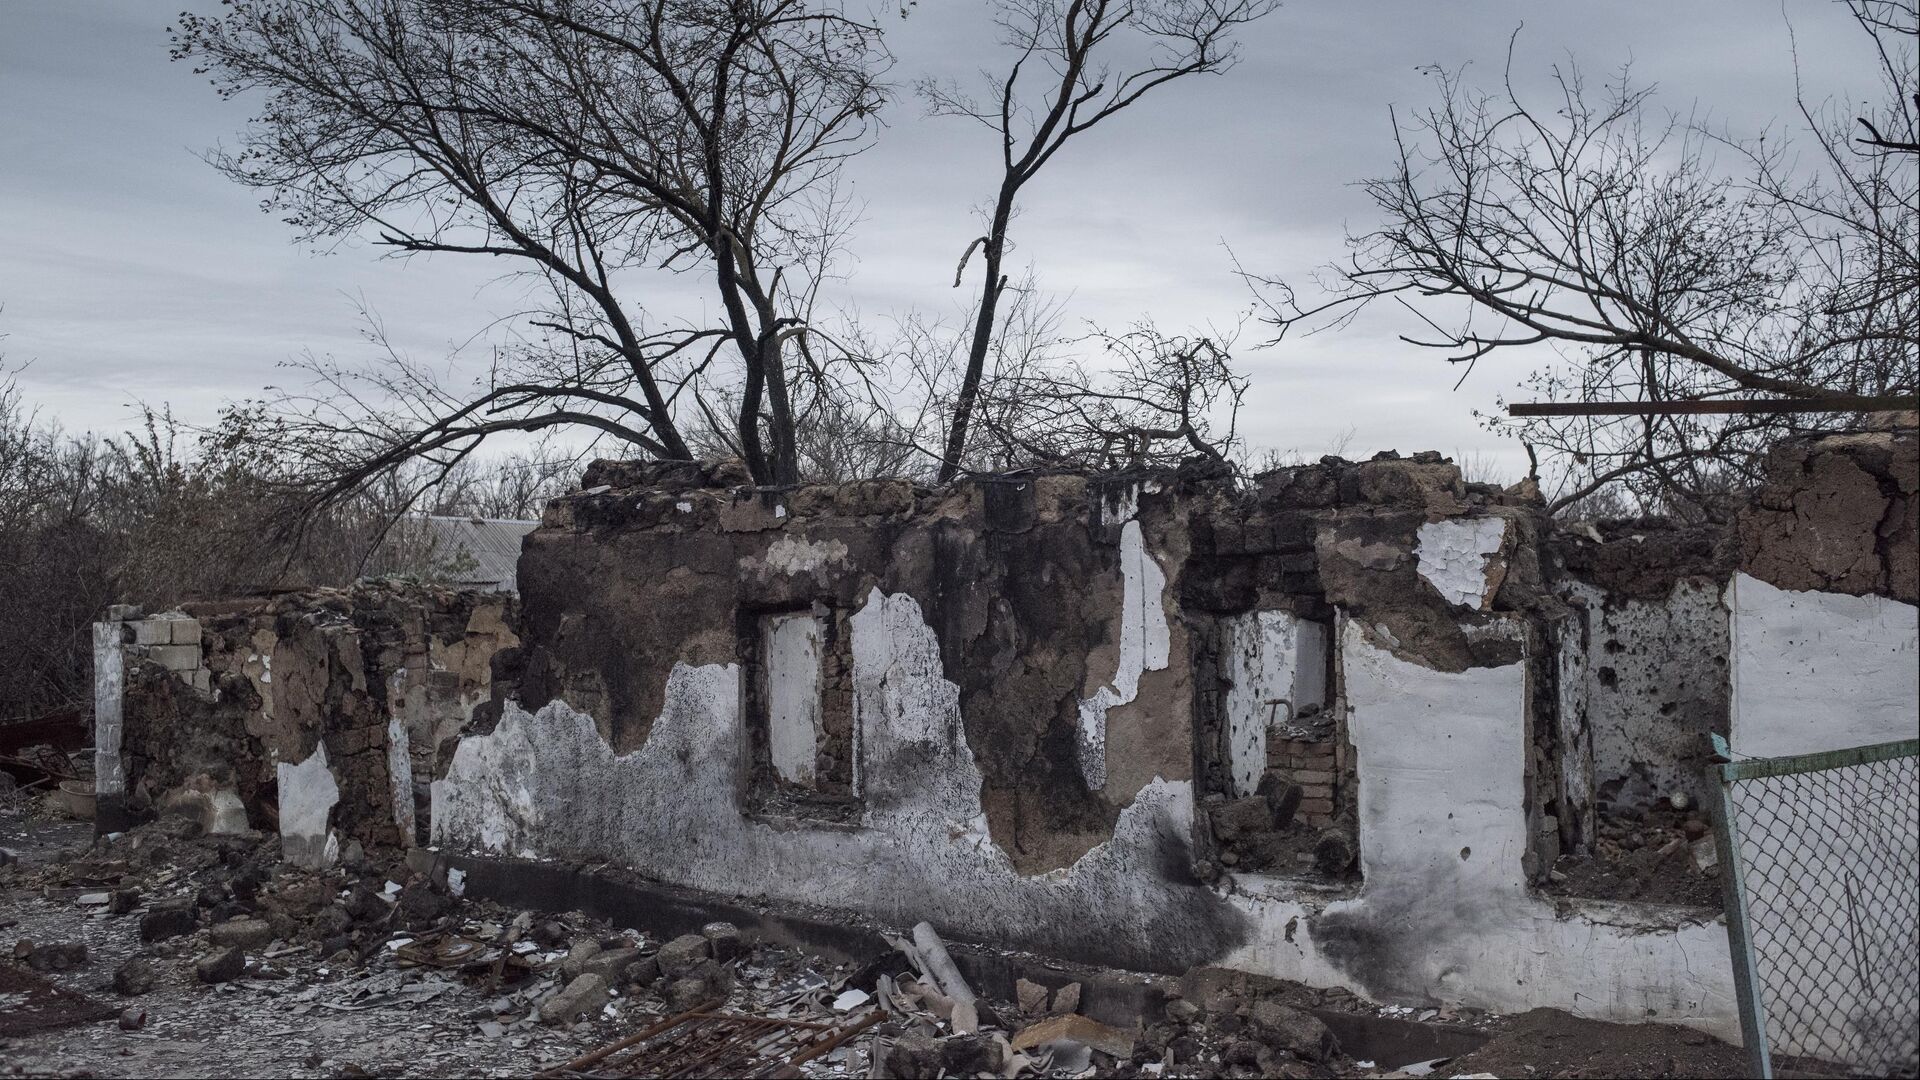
pixel 243 965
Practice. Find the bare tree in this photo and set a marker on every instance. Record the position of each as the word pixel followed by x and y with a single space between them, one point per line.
pixel 587 142
pixel 1070 73
pixel 1615 236
pixel 1157 400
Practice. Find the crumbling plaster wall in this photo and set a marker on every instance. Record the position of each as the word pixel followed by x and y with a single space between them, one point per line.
pixel 1048 595
pixel 315 706
pixel 1643 682
pixel 1825 636
pixel 1825 646
pixel 1445 913
pixel 548 784
pixel 965 604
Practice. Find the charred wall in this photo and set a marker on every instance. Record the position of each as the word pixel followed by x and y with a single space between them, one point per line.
pixel 221 697
pixel 1021 579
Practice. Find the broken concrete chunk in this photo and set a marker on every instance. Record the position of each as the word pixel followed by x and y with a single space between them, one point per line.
pixel 583 995
pixel 611 964
pixel 1283 799
pixel 64 956
pixel 705 982
pixel 725 939
pixel 1237 816
pixel 1705 855
pixel 133 978
pixel 1067 998
pixel 1333 853
pixel 365 905
pixel 913 1055
pixel 164 923
pixel 1182 1011
pixel 245 934
pixel 575 964
pixel 1031 996
pixel 681 955
pixel 225 965
pixel 1294 1030
pixel 123 901
pixel 971 1055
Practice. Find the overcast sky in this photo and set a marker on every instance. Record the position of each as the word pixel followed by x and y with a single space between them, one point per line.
pixel 130 271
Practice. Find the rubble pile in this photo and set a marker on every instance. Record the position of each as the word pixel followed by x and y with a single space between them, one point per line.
pixel 174 936
pixel 1657 852
pixel 181 951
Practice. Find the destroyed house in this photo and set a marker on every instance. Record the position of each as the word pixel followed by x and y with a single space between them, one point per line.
pixel 1355 724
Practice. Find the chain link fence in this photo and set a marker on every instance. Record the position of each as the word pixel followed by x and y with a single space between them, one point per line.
pixel 1821 866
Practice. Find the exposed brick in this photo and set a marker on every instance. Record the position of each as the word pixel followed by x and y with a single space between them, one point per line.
pixel 1316 806
pixel 1312 777
pixel 1315 793
pixel 175 657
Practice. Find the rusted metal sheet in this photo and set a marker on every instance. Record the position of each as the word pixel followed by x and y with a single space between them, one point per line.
pixel 703 1043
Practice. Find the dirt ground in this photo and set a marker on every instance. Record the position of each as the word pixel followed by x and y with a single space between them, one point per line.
pixel 372 969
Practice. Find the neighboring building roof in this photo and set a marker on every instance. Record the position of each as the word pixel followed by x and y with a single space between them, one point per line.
pixel 479 553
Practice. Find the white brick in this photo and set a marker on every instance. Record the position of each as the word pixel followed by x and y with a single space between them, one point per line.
pixel 175 657
pixel 185 631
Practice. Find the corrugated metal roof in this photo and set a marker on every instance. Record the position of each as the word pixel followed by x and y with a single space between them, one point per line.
pixel 479 553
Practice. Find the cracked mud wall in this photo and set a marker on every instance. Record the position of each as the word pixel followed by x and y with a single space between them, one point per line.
pixel 1838 514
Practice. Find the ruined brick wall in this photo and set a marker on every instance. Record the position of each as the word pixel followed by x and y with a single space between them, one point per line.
pixel 1022 579
pixel 373 677
pixel 1646 650
pixel 1427 563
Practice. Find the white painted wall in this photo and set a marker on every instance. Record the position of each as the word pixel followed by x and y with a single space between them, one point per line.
pixel 1440 758
pixel 791 644
pixel 547 785
pixel 400 776
pixel 308 795
pixel 1642 682
pixel 1268 656
pixel 1825 855
pixel 1444 914
pixel 109 691
pixel 1819 671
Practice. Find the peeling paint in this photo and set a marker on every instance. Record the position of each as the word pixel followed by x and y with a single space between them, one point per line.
pixel 547 785
pixel 798 555
pixel 1444 914
pixel 308 794
pixel 1458 558
pixel 1144 641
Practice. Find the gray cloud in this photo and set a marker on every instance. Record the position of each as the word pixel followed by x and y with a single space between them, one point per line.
pixel 132 271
